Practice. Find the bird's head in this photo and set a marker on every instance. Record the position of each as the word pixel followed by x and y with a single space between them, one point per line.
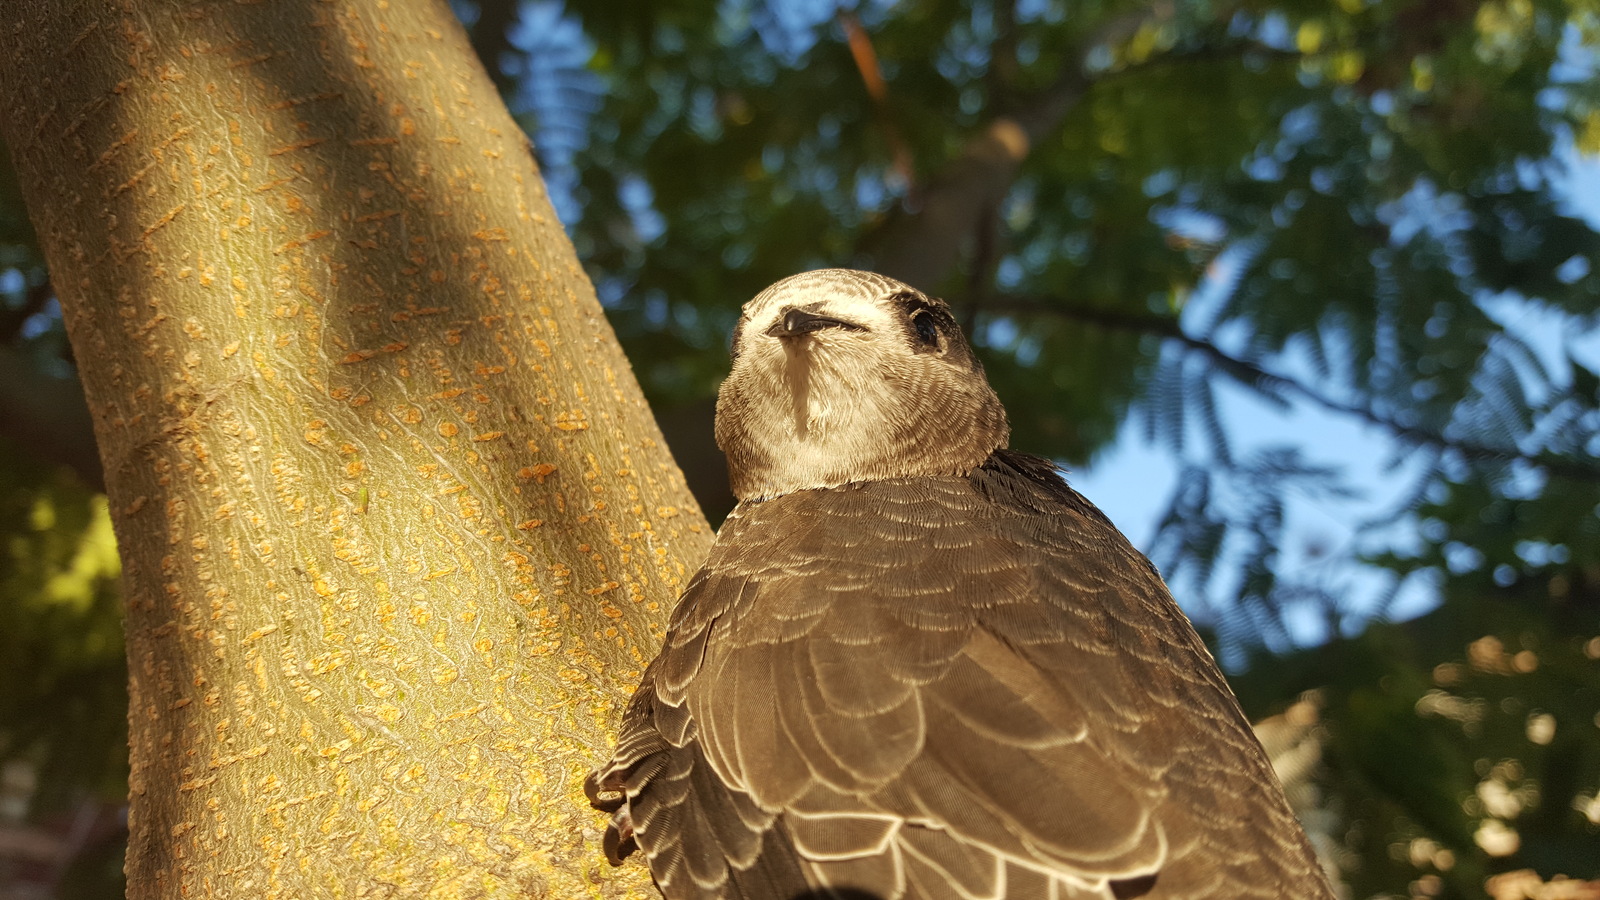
pixel 842 376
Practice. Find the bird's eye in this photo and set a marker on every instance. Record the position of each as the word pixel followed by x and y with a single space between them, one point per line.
pixel 925 329
pixel 928 325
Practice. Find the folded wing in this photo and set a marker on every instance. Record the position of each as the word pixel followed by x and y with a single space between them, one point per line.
pixel 963 688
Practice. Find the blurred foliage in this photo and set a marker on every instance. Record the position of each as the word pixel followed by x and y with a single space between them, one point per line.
pixel 1460 744
pixel 61 654
pixel 1335 204
pixel 1353 205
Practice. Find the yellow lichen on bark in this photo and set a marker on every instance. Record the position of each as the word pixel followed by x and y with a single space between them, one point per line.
pixel 398 530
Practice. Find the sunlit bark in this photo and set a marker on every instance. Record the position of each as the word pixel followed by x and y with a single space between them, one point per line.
pixel 398 529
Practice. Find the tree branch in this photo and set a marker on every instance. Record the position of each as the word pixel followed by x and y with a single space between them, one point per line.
pixel 1255 375
pixel 866 59
pixel 923 240
pixel 921 243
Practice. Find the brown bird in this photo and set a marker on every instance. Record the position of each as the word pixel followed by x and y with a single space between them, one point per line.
pixel 918 664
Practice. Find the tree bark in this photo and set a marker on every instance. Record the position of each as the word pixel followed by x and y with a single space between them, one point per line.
pixel 398 530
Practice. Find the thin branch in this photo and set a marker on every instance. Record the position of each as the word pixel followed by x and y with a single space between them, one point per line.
pixel 1263 379
pixel 866 59
pixel 925 238
pixel 980 277
pixel 1003 64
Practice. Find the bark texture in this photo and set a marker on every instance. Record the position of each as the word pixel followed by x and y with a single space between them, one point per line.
pixel 398 529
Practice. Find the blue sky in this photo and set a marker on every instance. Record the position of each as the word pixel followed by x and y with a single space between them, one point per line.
pixel 1133 481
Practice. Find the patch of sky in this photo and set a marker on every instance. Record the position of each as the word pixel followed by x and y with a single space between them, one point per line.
pixel 13 282
pixel 733 22
pixel 1027 51
pixel 871 193
pixel 1263 168
pixel 1574 269
pixel 1000 332
pixel 656 308
pixel 1074 245
pixel 1010 273
pixel 1099 59
pixel 685 316
pixel 828 129
pixel 1540 553
pixel 1379 149
pixel 1191 223
pixel 738 255
pixel 1207 305
pixel 467 11
pixel 1297 128
pixel 789 29
pixel 1160 182
pixel 1542 344
pixel 1135 480
pixel 1576 182
pixel 965 54
pixel 636 196
pixel 1020 205
pixel 611 290
pixel 1460 558
pixel 1325 531
pixel 1424 209
pixel 1026 350
pixel 555 86
pixel 703 118
pixel 1273 30
pixel 772 159
pixel 1576 61
pixel 1051 11
pixel 42 322
pixel 672 97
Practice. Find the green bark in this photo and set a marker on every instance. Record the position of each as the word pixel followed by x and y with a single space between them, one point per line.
pixel 397 527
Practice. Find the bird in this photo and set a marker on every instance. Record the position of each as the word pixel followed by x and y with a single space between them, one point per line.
pixel 916 664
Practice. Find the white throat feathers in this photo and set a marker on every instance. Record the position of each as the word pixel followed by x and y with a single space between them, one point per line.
pixel 842 376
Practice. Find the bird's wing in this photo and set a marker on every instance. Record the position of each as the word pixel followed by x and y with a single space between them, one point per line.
pixel 951 688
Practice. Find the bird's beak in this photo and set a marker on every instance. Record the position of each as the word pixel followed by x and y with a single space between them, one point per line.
pixel 796 322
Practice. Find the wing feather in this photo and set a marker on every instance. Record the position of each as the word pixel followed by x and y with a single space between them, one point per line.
pixel 963 687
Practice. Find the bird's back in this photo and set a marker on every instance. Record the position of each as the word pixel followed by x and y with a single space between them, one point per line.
pixel 943 687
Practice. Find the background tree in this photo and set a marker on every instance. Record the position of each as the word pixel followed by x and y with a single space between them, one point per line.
pixel 1144 210
pixel 397 529
pixel 1354 206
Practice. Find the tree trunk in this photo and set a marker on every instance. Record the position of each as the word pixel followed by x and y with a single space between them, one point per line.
pixel 398 530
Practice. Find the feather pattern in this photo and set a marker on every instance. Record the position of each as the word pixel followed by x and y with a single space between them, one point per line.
pixel 986 692
pixel 917 666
